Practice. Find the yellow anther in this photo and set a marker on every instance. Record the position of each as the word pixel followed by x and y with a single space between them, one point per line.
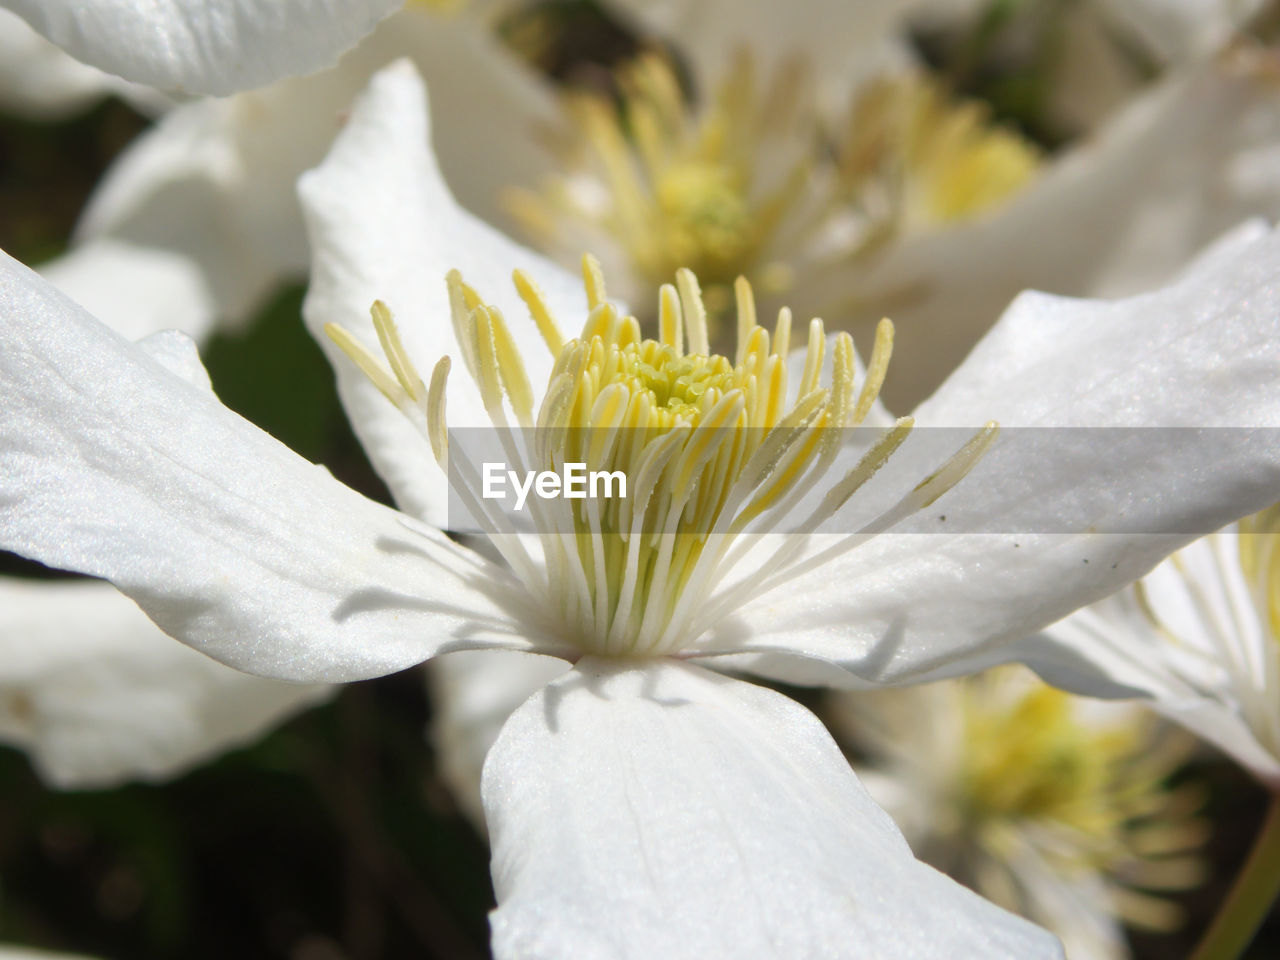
pixel 876 370
pixel 389 337
pixel 745 301
pixel 437 430
pixel 953 471
pixel 367 363
pixel 593 280
pixel 782 333
pixel 511 367
pixel 695 314
pixel 539 310
pixel 813 357
pixel 670 318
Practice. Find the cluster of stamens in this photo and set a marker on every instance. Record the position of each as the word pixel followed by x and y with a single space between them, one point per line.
pixel 753 183
pixel 712 448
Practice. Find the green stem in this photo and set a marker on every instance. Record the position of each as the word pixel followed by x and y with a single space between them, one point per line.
pixel 1251 896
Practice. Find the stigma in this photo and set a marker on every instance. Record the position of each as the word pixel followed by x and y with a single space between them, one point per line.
pixel 716 450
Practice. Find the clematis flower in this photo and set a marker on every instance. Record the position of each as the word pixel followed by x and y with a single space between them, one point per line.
pixel 1053 806
pixel 1198 636
pixel 643 801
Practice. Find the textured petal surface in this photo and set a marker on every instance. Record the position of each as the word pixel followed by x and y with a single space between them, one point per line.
pixel 665 811
pixel 383 225
pixel 1053 503
pixel 204 46
pixel 112 465
pixel 215 181
pixel 98 696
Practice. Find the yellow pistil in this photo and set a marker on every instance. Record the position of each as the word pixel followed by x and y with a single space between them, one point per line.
pixel 711 448
pixel 1260 560
pixel 932 159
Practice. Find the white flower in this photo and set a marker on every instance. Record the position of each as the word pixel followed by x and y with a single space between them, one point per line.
pixel 1199 635
pixel 1050 805
pixel 204 46
pixel 638 805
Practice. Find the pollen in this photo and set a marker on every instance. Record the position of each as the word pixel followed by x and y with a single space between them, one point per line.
pixel 715 450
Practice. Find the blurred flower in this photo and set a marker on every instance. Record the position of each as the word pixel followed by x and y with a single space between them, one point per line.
pixel 1199 635
pixel 97 695
pixel 640 803
pixel 1050 805
pixel 750 185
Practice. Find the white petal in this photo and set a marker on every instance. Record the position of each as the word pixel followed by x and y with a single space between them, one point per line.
pixel 473 692
pixel 665 811
pixel 39 81
pixel 1049 502
pixel 1120 214
pixel 383 225
pixel 113 466
pixel 204 46
pixel 135 290
pixel 98 695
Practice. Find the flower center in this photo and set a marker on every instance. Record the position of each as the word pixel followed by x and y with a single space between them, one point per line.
pixel 753 184
pixel 712 449
pixel 925 159
pixel 677 189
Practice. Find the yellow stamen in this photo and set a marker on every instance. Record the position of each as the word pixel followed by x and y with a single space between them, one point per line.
pixel 712 445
